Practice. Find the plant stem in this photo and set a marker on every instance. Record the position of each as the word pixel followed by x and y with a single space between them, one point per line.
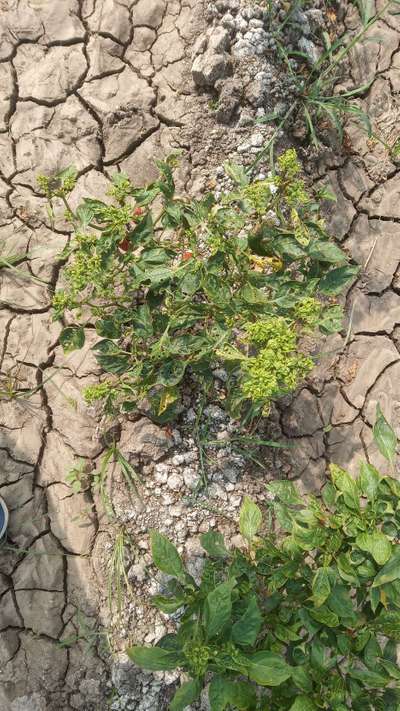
pixel 266 148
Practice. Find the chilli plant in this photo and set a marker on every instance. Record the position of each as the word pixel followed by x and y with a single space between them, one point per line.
pixel 307 615
pixel 176 286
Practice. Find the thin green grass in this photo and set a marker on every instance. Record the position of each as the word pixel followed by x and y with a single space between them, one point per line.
pixel 118 582
pixel 315 100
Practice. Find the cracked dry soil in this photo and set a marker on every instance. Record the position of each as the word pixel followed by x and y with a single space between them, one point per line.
pixel 105 85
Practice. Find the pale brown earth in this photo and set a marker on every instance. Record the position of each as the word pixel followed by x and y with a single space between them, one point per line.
pixel 105 84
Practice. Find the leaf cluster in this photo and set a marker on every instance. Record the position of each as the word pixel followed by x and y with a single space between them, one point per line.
pixel 308 616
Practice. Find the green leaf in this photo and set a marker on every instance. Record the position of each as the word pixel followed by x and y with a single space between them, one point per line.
pixel 283 516
pixel 384 436
pixel 250 519
pixel 218 608
pixel 376 544
pixel 369 480
pixel 340 602
pixel 326 252
pixel 143 230
pixel 374 598
pixel 324 616
pixel 285 491
pixel 359 643
pixel 331 319
pixel 72 338
pixel 213 543
pixel 171 372
pixel 190 283
pixel 85 214
pixel 268 669
pixel 165 555
pixel 302 679
pixel 321 587
pixel 346 569
pixel 168 604
pixel 389 572
pixel 388 624
pixel 97 206
pixel 285 633
pixel 391 668
pixel 372 653
pixel 280 576
pixel 307 538
pixel 329 495
pixel 166 180
pixel 319 655
pixel 154 256
pixel 173 215
pixel 246 629
pixel 303 703
pixel 158 275
pixel 219 693
pixel 243 696
pixel 108 328
pixel 111 358
pixel 223 692
pixel 251 295
pixel 144 196
pixel 154 658
pixel 237 173
pixel 143 322
pixel 336 280
pixel 371 679
pixel 288 247
pixel 185 695
pixel 347 486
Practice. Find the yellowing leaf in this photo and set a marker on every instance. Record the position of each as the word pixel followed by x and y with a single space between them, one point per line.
pixel 377 544
pixel 346 485
pixel 250 519
pixel 320 587
pixel 168 397
pixel 389 572
pixel 268 669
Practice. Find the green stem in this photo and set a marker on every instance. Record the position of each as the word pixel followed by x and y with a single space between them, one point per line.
pixel 271 141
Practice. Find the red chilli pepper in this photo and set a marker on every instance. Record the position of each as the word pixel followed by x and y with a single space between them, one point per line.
pixel 186 256
pixel 124 245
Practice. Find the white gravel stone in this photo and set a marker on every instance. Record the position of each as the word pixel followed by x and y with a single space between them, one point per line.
pixel 175 482
pixel 257 139
pixel 137 572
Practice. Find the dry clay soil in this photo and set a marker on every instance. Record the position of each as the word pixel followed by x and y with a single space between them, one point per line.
pixel 105 84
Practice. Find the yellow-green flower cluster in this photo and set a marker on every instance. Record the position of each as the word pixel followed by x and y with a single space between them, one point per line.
pixel 296 193
pixel 89 267
pixel 92 393
pixel 116 218
pixel 301 231
pixel 197 656
pixel 58 185
pixel 277 368
pixel 62 301
pixel 120 189
pixel 85 269
pixel 259 195
pixel 289 165
pixel 292 186
pixel 308 310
